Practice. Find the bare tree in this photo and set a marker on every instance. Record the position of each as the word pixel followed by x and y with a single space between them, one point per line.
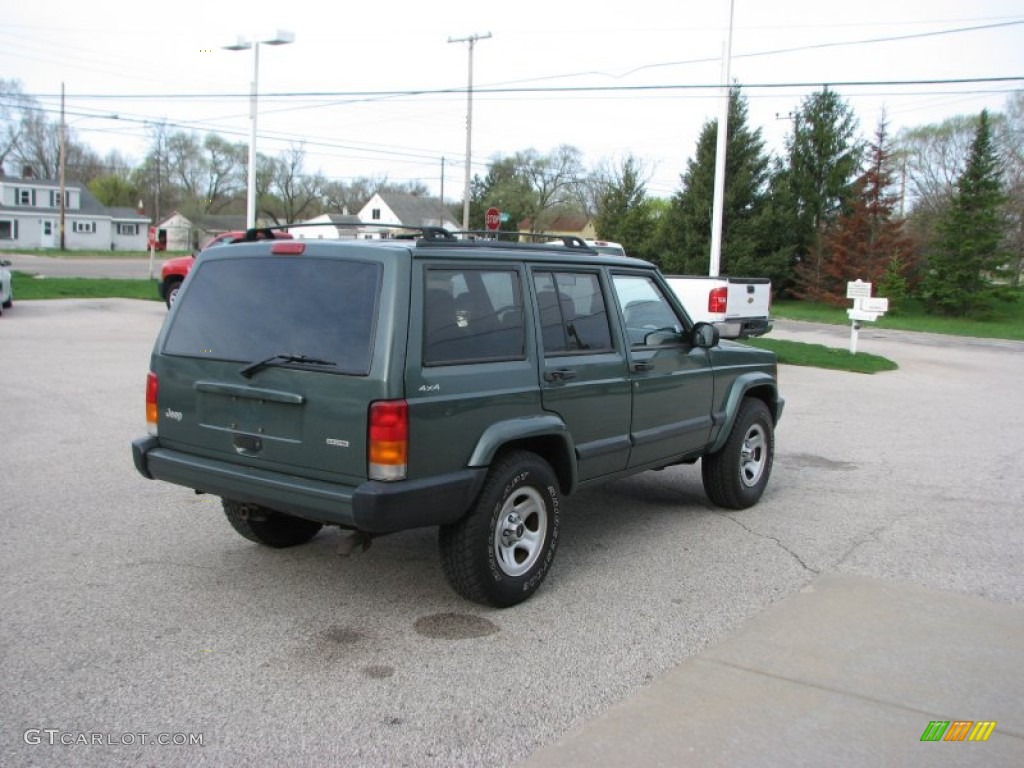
pixel 555 181
pixel 12 103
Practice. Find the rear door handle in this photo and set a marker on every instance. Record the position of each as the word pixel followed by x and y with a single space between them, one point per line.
pixel 641 367
pixel 562 374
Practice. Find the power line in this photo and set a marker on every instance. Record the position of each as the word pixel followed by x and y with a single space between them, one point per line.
pixel 555 89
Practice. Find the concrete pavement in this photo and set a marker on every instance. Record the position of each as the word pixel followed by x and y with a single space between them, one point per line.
pixel 74 266
pixel 848 672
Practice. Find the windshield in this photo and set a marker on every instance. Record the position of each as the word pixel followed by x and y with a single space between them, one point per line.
pixel 251 309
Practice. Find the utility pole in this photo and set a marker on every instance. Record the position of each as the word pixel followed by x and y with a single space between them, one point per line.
pixel 723 133
pixel 440 207
pixel 62 161
pixel 469 121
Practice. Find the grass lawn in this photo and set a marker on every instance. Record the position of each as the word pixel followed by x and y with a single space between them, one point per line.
pixel 820 356
pixel 1006 323
pixel 27 287
pixel 55 253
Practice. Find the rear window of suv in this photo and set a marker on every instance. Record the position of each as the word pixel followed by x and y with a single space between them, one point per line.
pixel 250 309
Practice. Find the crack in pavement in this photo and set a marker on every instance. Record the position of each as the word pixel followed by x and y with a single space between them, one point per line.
pixel 777 541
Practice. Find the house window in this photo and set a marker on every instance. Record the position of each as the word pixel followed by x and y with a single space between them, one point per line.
pixel 375 214
pixel 55 198
pixel 83 227
pixel 127 229
pixel 8 229
pixel 25 196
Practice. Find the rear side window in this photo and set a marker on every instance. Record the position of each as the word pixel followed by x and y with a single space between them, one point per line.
pixel 251 309
pixel 472 315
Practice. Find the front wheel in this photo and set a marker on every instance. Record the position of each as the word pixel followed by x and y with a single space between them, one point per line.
pixel 736 476
pixel 266 526
pixel 172 292
pixel 500 552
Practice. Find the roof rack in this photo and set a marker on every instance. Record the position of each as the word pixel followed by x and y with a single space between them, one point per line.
pixel 531 238
pixel 426 232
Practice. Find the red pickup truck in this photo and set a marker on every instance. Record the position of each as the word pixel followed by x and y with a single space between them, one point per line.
pixel 173 272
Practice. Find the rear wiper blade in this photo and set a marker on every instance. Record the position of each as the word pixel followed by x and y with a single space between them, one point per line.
pixel 259 365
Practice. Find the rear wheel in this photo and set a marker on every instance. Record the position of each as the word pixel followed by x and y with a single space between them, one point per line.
pixel 266 526
pixel 736 476
pixel 500 552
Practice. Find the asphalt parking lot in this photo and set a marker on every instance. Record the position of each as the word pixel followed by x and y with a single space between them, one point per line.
pixel 131 610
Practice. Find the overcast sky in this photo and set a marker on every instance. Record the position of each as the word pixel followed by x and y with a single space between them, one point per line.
pixel 661 56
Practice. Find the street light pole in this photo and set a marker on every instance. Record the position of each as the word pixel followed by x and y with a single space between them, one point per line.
pixel 469 122
pixel 718 203
pixel 282 37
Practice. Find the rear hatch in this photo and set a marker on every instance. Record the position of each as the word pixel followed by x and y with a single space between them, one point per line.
pixel 270 361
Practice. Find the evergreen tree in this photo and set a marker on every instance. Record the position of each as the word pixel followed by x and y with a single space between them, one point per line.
pixel 824 158
pixel 867 241
pixel 684 240
pixel 968 253
pixel 624 213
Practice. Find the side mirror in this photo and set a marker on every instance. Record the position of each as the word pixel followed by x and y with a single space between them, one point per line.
pixel 705 335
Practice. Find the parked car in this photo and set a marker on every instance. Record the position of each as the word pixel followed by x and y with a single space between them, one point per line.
pixel 463 384
pixel 6 287
pixel 174 271
pixel 738 307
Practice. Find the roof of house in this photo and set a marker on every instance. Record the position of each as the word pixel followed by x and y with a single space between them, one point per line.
pixel 340 218
pixel 416 210
pixel 563 222
pixel 88 204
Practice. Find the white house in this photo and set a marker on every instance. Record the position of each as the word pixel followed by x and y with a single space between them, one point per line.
pixel 30 218
pixel 185 234
pixel 329 226
pixel 384 209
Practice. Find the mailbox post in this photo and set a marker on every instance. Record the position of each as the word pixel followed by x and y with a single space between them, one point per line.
pixel 865 308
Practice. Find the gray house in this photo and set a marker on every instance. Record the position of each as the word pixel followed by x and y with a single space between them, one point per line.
pixel 30 218
pixel 411 210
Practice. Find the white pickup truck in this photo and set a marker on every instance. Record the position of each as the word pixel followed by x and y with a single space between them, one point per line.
pixel 738 306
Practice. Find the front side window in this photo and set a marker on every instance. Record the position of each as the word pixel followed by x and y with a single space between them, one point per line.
pixel 573 316
pixel 472 315
pixel 251 309
pixel 646 311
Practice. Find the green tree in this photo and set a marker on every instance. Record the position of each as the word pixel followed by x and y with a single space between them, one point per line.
pixel 824 158
pixel 968 252
pixel 684 232
pixel 115 190
pixel 624 212
pixel 1011 143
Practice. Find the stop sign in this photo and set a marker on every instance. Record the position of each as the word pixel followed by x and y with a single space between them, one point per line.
pixel 492 218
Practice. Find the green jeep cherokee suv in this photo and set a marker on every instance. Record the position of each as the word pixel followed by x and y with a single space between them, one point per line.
pixel 460 383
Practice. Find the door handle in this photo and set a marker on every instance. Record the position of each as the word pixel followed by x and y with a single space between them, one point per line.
pixel 562 374
pixel 641 367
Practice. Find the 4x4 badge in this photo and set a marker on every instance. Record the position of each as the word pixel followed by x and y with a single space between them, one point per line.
pixel 430 388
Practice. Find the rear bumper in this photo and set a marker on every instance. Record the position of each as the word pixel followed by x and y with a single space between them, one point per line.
pixel 742 328
pixel 373 506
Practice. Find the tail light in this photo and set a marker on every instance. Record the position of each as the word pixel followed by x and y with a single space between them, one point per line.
pixel 388 447
pixel 152 387
pixel 718 299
